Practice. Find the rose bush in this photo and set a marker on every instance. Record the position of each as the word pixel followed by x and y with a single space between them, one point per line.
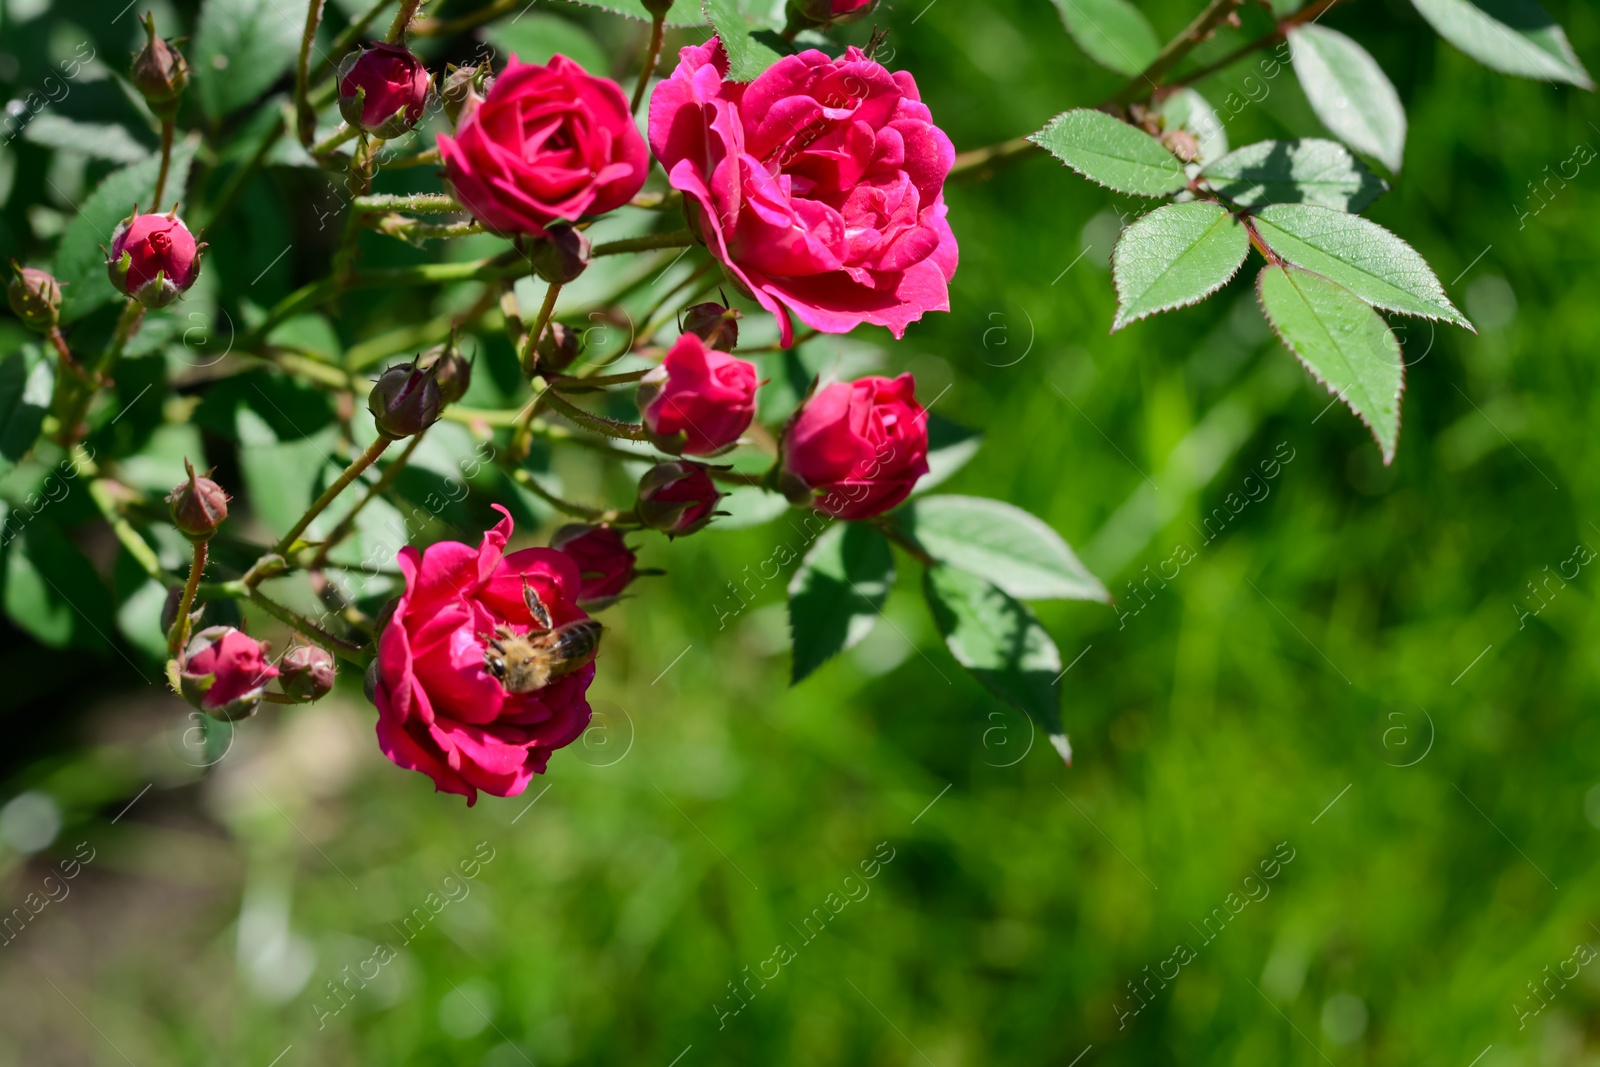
pixel 857 448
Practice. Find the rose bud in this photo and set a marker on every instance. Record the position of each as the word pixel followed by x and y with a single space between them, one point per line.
pixel 697 402
pixel 548 144
pixel 306 673
pixel 382 89
pixel 716 325
pixel 677 498
pixel 35 297
pixel 464 89
pixel 855 449
pixel 225 673
pixel 657 8
pixel 559 346
pixel 560 256
pixel 450 369
pixel 198 505
pixel 604 561
pixel 404 401
pixel 159 73
pixel 153 258
pixel 822 12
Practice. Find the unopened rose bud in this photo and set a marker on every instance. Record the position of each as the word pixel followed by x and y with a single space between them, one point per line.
pixel 822 12
pixel 464 89
pixel 225 673
pixel 677 498
pixel 404 401
pixel 604 561
pixel 560 257
pixel 153 258
pixel 1183 144
pixel 450 369
pixel 159 72
pixel 559 346
pixel 716 325
pixel 35 297
pixel 382 89
pixel 698 402
pixel 658 8
pixel 198 505
pixel 306 673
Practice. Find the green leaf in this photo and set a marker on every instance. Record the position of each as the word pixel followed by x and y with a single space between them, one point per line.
pixel 27 383
pixel 682 14
pixel 1016 551
pixel 1350 93
pixel 1309 171
pixel 1360 255
pixel 1113 33
pixel 1344 343
pixel 1188 110
pixel 1511 36
pixel 950 446
pixel 98 140
pixel 1175 256
pixel 1001 643
pixel 241 48
pixel 1111 152
pixel 838 592
pixel 749 32
pixel 51 589
pixel 80 265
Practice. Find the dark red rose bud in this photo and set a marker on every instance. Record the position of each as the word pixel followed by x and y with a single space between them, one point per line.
pixel 677 498
pixel 153 258
pixel 405 401
pixel 560 257
pixel 604 561
pixel 450 369
pixel 306 673
pixel 559 346
pixel 716 325
pixel 826 11
pixel 159 72
pixel 224 673
pixel 658 8
pixel 382 89
pixel 464 89
pixel 35 296
pixel 198 505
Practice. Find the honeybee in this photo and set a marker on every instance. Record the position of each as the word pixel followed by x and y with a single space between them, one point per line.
pixel 526 662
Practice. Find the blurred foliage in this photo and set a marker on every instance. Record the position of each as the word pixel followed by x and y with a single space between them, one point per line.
pixel 1374 665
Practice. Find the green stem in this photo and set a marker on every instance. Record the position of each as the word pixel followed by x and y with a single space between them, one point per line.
pixel 1310 13
pixel 346 524
pixel 622 431
pixel 409 229
pixel 1177 48
pixel 415 159
pixel 993 155
pixel 335 139
pixel 666 201
pixel 435 28
pixel 421 203
pixel 602 380
pixel 136 546
pixel 346 650
pixel 530 354
pixel 652 57
pixel 178 639
pixel 647 243
pixel 166 162
pixel 736 478
pixel 350 474
pixel 402 19
pixel 305 117
pixel 582 511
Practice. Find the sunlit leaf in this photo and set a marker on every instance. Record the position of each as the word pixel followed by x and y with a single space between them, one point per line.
pixel 1175 256
pixel 1111 152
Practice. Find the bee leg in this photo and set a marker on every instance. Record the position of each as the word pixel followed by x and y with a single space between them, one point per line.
pixel 541 614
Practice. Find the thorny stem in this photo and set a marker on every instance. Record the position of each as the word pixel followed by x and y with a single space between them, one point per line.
pixel 582 511
pixel 1310 13
pixel 308 629
pixel 166 161
pixel 674 239
pixel 420 203
pixel 100 491
pixel 602 380
pixel 350 474
pixel 622 431
pixel 305 116
pixel 409 229
pixel 179 637
pixel 335 139
pixel 346 524
pixel 1177 48
pixel 402 19
pixel 530 353
pixel 432 27
pixel 652 57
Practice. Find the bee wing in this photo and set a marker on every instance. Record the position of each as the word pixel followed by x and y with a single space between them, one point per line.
pixel 530 597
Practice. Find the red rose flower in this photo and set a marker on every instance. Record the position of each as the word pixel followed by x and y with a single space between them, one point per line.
pixel 820 185
pixel 382 89
pixel 858 447
pixel 698 401
pixel 604 561
pixel 547 144
pixel 224 672
pixel 153 259
pixel 440 709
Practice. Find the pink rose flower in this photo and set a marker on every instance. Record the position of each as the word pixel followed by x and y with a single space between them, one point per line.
pixel 858 447
pixel 547 144
pixel 224 672
pixel 382 89
pixel 440 710
pixel 677 498
pixel 153 259
pixel 603 558
pixel 700 397
pixel 820 185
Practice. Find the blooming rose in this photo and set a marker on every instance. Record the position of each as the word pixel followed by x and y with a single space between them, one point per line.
pixel 224 672
pixel 677 498
pixel 382 89
pixel 153 259
pixel 819 185
pixel 440 711
pixel 698 401
pixel 547 144
pixel 858 447
pixel 603 559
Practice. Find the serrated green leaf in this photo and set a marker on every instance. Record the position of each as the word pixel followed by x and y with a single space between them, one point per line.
pixel 1350 93
pixel 27 383
pixel 1113 33
pixel 1304 171
pixel 52 590
pixel 1003 544
pixel 80 265
pixel 240 48
pixel 1360 255
pixel 98 140
pixel 1111 152
pixel 749 31
pixel 1188 110
pixel 681 14
pixel 1175 256
pixel 837 594
pixel 1511 36
pixel 1001 643
pixel 1342 341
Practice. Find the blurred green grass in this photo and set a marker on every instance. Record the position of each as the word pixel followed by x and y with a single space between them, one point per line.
pixel 1309 653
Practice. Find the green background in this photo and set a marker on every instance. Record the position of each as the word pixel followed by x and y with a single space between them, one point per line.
pixel 1352 666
